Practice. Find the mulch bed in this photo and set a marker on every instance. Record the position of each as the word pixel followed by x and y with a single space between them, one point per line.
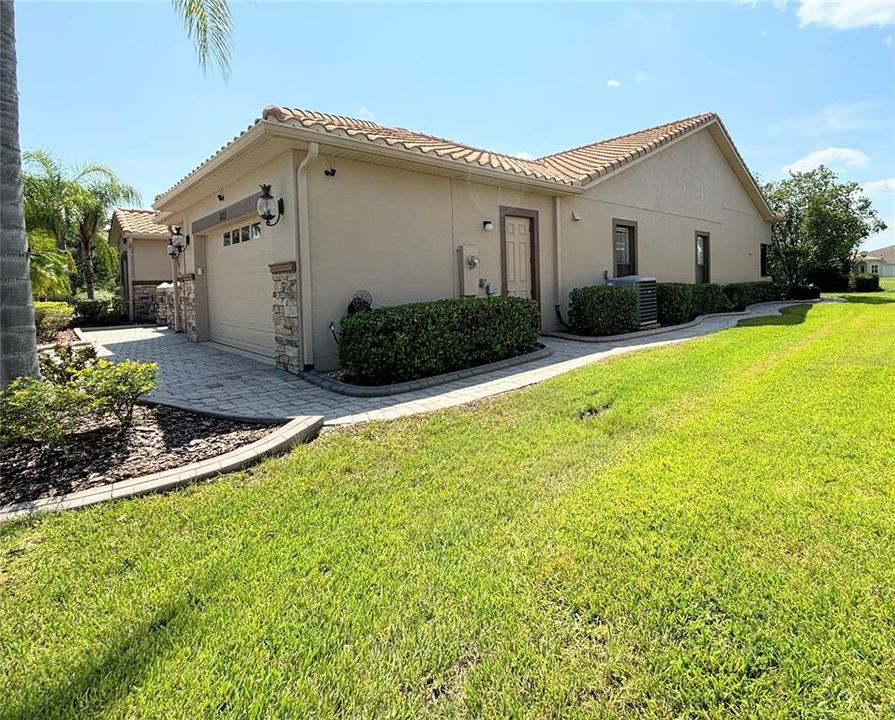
pixel 63 337
pixel 160 438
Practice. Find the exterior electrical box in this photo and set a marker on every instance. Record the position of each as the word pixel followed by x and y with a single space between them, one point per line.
pixel 468 266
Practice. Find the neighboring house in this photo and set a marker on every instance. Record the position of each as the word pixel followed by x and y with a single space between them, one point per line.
pixel 143 260
pixel 402 215
pixel 878 262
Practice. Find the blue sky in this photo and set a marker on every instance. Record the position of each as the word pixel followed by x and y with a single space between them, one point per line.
pixel 796 83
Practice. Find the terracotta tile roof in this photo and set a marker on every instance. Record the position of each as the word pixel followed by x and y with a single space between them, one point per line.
pixel 574 168
pixel 136 221
pixel 886 254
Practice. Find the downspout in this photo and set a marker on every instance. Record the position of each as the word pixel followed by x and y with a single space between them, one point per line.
pixel 129 249
pixel 303 254
pixel 557 253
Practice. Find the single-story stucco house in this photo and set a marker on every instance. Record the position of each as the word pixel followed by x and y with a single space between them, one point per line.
pixel 143 262
pixel 411 217
pixel 877 262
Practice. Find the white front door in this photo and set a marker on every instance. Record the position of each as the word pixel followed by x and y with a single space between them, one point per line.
pixel 518 256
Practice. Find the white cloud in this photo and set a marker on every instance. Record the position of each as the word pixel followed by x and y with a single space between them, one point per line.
pixel 524 156
pixel 887 41
pixel 764 33
pixel 846 14
pixel 832 119
pixel 779 4
pixel 829 156
pixel 881 187
pixel 613 83
pixel 365 114
pixel 641 77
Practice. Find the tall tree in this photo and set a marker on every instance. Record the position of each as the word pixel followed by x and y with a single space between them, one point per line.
pixel 825 222
pixel 208 25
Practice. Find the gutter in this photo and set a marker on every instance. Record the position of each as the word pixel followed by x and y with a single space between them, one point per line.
pixel 303 255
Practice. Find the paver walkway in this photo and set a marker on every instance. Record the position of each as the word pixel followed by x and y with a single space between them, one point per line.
pixel 206 377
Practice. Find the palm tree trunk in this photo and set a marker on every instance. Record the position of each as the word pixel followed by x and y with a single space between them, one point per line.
pixel 18 342
pixel 87 255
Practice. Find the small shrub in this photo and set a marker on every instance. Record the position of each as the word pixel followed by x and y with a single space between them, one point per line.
pixel 97 312
pixel 32 409
pixel 406 342
pixel 675 303
pixel 828 279
pixel 744 294
pixel 865 282
pixel 63 364
pixel 50 318
pixel 602 310
pixel 114 388
pixel 803 292
pixel 709 298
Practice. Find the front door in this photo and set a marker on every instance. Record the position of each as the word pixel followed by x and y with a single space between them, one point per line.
pixel 518 256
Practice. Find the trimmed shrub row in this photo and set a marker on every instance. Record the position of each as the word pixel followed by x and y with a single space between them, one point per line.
pixel 748 293
pixel 98 312
pixel 406 342
pixel 602 310
pixel 50 318
pixel 865 282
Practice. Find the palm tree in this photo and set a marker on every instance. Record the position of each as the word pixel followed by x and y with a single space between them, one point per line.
pixel 50 267
pixel 209 27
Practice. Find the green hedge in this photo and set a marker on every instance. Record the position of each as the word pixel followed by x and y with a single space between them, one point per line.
pixel 675 303
pixel 602 310
pixel 709 298
pixel 50 318
pixel 865 282
pixel 98 312
pixel 406 342
pixel 803 292
pixel 748 293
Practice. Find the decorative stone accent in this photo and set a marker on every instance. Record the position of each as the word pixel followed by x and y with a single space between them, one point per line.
pixel 164 303
pixel 287 352
pixel 145 302
pixel 186 287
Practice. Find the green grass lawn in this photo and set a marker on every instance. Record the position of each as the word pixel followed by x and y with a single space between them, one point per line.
pixel 700 530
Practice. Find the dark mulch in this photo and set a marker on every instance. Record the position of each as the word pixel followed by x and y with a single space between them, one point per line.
pixel 159 439
pixel 63 337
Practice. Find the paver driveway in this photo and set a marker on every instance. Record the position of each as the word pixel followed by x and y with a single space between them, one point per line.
pixel 206 377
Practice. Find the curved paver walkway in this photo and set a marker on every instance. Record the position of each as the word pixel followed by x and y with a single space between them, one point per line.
pixel 208 378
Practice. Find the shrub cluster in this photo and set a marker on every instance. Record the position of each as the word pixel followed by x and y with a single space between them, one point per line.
pixel 681 302
pixel 828 279
pixel 602 310
pixel 75 386
pixel 406 342
pixel 865 282
pixel 50 318
pixel 748 293
pixel 803 292
pixel 97 312
pixel 709 298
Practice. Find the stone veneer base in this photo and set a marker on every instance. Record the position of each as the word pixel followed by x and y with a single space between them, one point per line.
pixel 301 429
pixel 325 381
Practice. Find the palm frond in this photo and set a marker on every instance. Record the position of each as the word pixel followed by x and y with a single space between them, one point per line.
pixel 209 26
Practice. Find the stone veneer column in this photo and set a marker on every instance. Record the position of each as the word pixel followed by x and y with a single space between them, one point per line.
pixel 186 287
pixel 285 316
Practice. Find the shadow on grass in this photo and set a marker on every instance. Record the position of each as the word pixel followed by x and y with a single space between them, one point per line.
pixel 874 299
pixel 104 679
pixel 792 315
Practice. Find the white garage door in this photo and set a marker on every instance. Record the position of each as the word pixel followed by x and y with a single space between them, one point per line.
pixel 239 289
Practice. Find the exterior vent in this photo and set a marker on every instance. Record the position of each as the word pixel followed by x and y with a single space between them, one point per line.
pixel 647 306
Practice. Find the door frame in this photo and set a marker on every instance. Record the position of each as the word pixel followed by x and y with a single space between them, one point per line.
pixel 707 253
pixel 534 222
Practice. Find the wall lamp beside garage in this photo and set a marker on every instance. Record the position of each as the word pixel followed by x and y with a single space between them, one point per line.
pixel 268 207
pixel 177 242
pixel 487 225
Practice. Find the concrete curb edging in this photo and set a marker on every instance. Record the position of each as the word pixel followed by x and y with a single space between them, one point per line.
pixel 301 429
pixel 683 326
pixel 328 383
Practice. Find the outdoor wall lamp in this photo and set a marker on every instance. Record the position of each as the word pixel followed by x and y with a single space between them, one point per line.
pixel 177 242
pixel 488 225
pixel 268 208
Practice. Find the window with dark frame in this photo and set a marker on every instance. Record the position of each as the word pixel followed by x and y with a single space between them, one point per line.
pixel 242 234
pixel 625 244
pixel 702 258
pixel 764 260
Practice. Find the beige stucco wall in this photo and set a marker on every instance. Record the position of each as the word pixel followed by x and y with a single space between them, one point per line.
pixel 151 261
pixel 687 187
pixel 395 233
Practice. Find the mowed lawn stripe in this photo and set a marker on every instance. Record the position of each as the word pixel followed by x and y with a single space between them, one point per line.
pixel 698 529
